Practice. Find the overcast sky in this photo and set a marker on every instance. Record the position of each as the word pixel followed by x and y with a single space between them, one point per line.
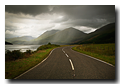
pixel 33 20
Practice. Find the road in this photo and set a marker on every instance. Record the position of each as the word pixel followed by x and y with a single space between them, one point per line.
pixel 64 63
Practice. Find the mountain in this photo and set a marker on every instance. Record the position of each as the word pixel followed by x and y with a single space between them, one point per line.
pixel 105 34
pixel 66 36
pixel 46 34
pixel 20 40
pixel 41 37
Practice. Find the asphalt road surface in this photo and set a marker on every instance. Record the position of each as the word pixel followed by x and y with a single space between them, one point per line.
pixel 64 63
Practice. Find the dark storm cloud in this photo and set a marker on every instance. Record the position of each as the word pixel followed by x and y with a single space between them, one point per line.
pixel 87 15
pixel 73 11
pixel 85 11
pixel 94 23
pixel 27 9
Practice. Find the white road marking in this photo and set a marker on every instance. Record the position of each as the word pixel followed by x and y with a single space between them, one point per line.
pixel 63 50
pixel 69 60
pixel 71 64
pixel 95 59
pixel 34 66
pixel 98 60
pixel 66 55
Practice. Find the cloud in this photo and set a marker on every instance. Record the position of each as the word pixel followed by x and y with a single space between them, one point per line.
pixel 94 23
pixel 21 24
pixel 85 29
pixel 71 11
pixel 85 15
pixel 33 20
pixel 60 19
pixel 85 11
pixel 27 9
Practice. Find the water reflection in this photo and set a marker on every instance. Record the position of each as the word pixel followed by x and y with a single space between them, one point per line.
pixel 22 48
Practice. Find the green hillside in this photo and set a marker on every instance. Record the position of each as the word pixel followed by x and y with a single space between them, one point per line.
pixel 20 40
pixel 105 52
pixel 105 34
pixel 46 34
pixel 66 36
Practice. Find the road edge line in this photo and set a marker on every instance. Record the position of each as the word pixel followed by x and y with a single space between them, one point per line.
pixel 34 66
pixel 96 59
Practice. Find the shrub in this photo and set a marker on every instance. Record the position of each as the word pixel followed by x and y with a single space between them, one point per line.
pixel 28 52
pixel 16 54
pixel 49 43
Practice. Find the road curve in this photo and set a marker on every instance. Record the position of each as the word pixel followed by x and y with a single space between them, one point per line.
pixel 64 63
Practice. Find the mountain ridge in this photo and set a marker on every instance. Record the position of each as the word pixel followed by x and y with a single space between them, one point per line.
pixel 105 34
pixel 63 37
pixel 20 40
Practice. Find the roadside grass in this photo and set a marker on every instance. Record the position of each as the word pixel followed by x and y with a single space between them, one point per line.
pixel 14 68
pixel 105 52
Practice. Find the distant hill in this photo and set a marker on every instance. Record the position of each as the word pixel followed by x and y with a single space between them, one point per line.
pixel 41 37
pixel 105 34
pixel 8 43
pixel 20 40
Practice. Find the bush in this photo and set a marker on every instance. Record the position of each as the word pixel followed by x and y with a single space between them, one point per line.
pixel 28 52
pixel 16 54
pixel 49 43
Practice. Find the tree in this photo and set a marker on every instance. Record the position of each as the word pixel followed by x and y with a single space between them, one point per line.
pixel 49 43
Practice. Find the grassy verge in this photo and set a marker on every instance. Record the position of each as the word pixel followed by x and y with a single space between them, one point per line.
pixel 17 66
pixel 105 52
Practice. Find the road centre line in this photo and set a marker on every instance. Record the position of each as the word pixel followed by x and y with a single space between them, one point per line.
pixel 71 64
pixel 66 55
pixel 69 60
pixel 63 50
